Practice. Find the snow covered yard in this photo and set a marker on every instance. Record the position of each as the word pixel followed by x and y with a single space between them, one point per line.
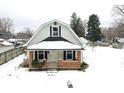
pixel 104 75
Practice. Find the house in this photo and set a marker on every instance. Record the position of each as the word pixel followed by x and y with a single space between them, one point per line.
pixel 17 42
pixel 1 39
pixel 5 35
pixel 121 40
pixel 54 45
pixel 6 43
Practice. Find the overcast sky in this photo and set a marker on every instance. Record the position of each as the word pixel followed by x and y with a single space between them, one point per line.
pixel 32 13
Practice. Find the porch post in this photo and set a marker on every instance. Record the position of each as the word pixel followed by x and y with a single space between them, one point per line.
pixel 79 56
pixel 30 58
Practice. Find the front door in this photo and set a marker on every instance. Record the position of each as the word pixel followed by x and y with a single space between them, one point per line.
pixel 52 56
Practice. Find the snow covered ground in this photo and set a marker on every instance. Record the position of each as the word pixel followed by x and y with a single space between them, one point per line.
pixel 104 75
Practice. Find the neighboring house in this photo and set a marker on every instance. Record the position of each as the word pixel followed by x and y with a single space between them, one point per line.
pixel 6 43
pixel 120 40
pixel 17 42
pixel 5 46
pixel 54 45
pixel 5 35
pixel 1 40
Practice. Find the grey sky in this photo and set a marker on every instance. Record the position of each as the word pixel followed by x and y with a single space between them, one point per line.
pixel 32 13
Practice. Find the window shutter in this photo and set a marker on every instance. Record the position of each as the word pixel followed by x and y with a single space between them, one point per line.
pixel 45 54
pixel 59 30
pixel 50 30
pixel 64 55
pixel 35 55
pixel 74 58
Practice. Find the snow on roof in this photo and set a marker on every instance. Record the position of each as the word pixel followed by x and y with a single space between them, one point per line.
pixel 14 40
pixel 121 40
pixel 83 40
pixel 6 43
pixel 1 39
pixel 54 45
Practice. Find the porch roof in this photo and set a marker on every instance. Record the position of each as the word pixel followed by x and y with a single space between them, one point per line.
pixel 54 45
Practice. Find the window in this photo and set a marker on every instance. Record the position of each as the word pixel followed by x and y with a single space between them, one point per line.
pixel 41 55
pixel 55 31
pixel 69 55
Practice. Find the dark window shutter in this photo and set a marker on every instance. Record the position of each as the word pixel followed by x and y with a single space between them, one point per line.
pixel 64 55
pixel 35 55
pixel 45 54
pixel 50 30
pixel 74 58
pixel 59 30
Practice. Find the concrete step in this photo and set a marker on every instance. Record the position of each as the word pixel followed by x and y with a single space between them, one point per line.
pixel 52 70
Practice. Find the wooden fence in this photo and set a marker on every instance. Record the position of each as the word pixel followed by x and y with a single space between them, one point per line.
pixel 10 54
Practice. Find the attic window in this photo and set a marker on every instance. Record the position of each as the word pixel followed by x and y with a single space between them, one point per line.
pixel 55 31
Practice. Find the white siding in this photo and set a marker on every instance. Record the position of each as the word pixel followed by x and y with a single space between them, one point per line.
pixel 44 32
pixel 41 35
pixel 68 35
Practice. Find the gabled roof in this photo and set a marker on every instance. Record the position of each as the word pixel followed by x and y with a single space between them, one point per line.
pixel 121 40
pixel 28 43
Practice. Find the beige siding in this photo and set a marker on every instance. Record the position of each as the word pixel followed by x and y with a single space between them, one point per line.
pixel 59 54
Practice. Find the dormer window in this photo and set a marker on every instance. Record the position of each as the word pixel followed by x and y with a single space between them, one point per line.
pixel 55 31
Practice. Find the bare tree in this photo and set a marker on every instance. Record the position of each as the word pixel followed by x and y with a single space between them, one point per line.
pixel 119 22
pixel 119 10
pixel 6 24
pixel 25 34
pixel 28 32
pixel 109 33
pixel 21 35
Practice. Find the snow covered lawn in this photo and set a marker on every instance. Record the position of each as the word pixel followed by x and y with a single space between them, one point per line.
pixel 104 75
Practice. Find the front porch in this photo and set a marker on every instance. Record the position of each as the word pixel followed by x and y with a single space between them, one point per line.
pixel 54 54
pixel 54 59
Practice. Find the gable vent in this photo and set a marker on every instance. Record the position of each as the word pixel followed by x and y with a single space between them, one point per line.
pixel 55 23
